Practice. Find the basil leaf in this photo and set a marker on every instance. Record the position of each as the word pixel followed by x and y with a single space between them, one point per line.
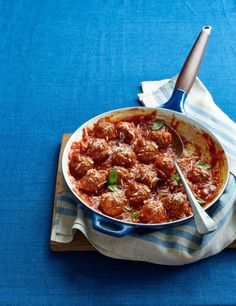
pixel 202 165
pixel 175 178
pixel 157 125
pixel 113 188
pixel 135 214
pixel 200 201
pixel 113 176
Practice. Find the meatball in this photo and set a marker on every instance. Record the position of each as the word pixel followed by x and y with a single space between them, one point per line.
pixel 123 155
pixel 98 149
pixel 105 129
pixel 204 191
pixel 197 175
pixel 137 193
pixel 127 131
pixel 112 203
pixel 176 205
pixel 123 175
pixel 146 150
pixel 165 166
pixel 93 181
pixel 154 212
pixel 162 138
pixel 79 165
pixel 146 174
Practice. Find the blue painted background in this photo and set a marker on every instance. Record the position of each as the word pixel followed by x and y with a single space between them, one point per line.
pixel 62 62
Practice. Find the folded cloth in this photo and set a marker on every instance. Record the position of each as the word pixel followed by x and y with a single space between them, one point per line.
pixel 177 245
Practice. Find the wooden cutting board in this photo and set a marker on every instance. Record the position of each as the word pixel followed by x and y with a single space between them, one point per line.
pixel 80 242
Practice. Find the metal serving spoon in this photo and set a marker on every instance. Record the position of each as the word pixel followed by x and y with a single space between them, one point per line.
pixel 204 223
pixel 183 85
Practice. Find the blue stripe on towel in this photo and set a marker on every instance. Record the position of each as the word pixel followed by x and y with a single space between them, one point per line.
pixel 158 99
pixel 164 243
pixel 213 118
pixel 183 234
pixel 56 222
pixel 67 199
pixel 172 84
pixel 66 211
pixel 165 92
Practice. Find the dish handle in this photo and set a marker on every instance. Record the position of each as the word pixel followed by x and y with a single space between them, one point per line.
pixel 188 72
pixel 105 226
pixel 176 101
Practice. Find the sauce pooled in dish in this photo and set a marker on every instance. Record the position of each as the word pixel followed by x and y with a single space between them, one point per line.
pixel 125 170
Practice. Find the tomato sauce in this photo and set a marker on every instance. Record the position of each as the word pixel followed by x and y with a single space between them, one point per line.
pixel 125 170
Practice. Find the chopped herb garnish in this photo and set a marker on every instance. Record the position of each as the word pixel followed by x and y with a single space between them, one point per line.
pixel 157 125
pixel 175 178
pixel 200 201
pixel 202 165
pixel 113 176
pixel 135 214
pixel 113 188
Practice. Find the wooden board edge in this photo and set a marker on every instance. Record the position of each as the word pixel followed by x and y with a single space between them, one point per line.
pixel 64 247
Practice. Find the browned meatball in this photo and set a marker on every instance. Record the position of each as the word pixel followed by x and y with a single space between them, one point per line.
pixel 93 181
pixel 79 165
pixel 123 155
pixel 127 131
pixel 165 166
pixel 146 150
pixel 162 138
pixel 146 174
pixel 112 203
pixel 153 211
pixel 105 129
pixel 98 149
pixel 176 206
pixel 123 175
pixel 197 175
pixel 203 190
pixel 137 193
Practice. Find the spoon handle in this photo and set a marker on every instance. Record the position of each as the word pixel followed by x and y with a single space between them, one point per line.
pixel 190 68
pixel 204 223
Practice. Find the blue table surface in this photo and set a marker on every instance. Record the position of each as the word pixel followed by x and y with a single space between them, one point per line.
pixel 61 63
